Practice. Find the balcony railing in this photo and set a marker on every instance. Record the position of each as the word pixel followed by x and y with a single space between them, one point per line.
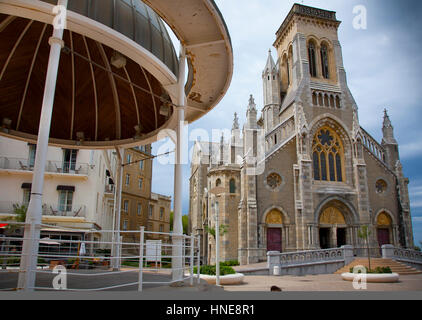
pixel 74 210
pixel 109 188
pixel 50 167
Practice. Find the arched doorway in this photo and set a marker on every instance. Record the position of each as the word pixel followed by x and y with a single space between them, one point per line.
pixel 274 222
pixel 332 228
pixel 384 228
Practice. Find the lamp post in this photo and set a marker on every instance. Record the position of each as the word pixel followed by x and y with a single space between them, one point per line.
pixel 217 191
pixel 217 243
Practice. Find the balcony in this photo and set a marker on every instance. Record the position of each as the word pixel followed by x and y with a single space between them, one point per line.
pixel 52 167
pixel 109 189
pixel 74 210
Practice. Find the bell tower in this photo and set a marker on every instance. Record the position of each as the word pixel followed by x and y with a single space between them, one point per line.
pixel 310 55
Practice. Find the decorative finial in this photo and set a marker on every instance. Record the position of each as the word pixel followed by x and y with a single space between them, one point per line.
pixel 387 121
pixel 251 100
pixel 235 121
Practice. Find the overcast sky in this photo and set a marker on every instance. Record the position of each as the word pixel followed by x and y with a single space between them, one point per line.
pixel 383 65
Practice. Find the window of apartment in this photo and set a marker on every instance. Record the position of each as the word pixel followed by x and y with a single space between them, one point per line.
pixel 139 209
pixel 65 200
pixel 127 179
pixel 126 206
pixel 161 228
pixel 161 213
pixel 150 210
pixel 125 224
pixel 150 227
pixel 140 183
pixel 26 196
pixel 128 158
pixel 69 160
pixel 31 156
pixel 141 165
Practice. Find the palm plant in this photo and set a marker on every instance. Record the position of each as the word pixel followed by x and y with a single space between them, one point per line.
pixel 211 230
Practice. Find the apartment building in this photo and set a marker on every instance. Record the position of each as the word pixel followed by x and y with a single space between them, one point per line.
pixel 79 190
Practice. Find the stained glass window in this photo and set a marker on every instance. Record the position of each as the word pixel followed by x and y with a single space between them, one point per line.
pixel 324 61
pixel 274 180
pixel 312 60
pixel 327 156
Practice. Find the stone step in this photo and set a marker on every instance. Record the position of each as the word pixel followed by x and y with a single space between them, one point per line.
pixel 395 266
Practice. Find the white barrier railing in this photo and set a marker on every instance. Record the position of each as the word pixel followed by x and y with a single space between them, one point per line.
pixel 309 258
pixel 142 258
pixel 406 255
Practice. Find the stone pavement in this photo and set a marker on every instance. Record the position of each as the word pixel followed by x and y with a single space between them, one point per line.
pixel 325 282
pixel 252 283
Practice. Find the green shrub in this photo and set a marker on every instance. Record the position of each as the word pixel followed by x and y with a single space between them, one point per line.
pixel 377 270
pixel 231 263
pixel 211 270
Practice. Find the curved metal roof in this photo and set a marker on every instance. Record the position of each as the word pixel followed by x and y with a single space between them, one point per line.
pixel 133 19
pixel 201 28
pixel 117 67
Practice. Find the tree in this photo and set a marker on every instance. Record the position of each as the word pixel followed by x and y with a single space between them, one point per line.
pixel 364 234
pixel 223 230
pixel 185 222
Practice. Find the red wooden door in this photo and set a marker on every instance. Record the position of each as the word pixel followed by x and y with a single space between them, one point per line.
pixel 274 239
pixel 383 236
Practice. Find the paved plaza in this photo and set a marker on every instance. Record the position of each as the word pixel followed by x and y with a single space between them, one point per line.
pixel 252 283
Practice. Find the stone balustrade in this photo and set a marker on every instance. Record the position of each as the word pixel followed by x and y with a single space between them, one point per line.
pixel 400 254
pixel 309 262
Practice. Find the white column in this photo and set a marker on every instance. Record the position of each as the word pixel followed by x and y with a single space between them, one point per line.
pixel 217 242
pixel 177 262
pixel 34 213
pixel 115 263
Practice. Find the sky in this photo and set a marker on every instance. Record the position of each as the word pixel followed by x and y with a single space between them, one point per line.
pixel 383 64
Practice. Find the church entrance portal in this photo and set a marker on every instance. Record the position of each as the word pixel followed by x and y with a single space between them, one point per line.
pixel 341 237
pixel 332 228
pixel 274 239
pixel 324 238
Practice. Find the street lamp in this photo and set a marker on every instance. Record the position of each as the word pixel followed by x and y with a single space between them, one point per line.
pixel 217 243
pixel 217 191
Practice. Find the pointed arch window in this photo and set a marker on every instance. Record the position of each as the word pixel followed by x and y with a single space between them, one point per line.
pixel 312 59
pixel 324 62
pixel 328 156
pixel 232 186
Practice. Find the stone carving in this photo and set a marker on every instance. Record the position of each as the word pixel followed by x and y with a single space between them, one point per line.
pixel 332 216
pixel 274 217
pixel 383 219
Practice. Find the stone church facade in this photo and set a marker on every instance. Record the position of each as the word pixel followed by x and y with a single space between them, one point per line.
pixel 321 176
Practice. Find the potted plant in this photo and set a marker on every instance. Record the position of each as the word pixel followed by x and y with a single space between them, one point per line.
pixel 228 275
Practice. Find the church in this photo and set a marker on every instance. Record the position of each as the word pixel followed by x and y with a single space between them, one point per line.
pixel 302 175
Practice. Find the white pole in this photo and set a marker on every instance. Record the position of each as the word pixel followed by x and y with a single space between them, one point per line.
pixel 199 259
pixel 117 209
pixel 217 243
pixel 192 256
pixel 34 213
pixel 141 258
pixel 178 173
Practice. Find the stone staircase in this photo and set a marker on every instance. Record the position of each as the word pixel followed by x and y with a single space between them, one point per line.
pixel 395 266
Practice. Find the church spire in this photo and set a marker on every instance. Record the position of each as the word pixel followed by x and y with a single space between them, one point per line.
pixel 251 114
pixel 388 130
pixel 270 67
